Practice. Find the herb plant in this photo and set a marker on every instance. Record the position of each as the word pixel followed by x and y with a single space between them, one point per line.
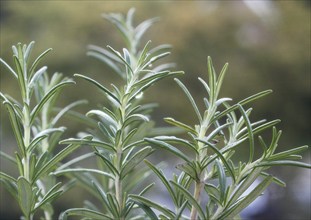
pixel 34 122
pixel 209 184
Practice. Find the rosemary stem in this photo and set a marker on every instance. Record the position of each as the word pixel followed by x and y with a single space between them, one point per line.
pixel 26 143
pixel 197 197
pixel 118 181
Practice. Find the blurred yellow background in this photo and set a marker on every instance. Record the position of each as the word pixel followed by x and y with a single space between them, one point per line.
pixel 267 45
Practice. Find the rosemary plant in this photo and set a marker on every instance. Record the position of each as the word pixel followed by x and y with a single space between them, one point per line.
pixel 33 123
pixel 210 183
pixel 118 140
pixel 211 172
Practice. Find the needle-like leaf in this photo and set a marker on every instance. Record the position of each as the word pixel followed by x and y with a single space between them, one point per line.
pixel 190 199
pixel 152 204
pixel 194 105
pixel 101 87
pixel 88 213
pixel 47 97
pixel 168 147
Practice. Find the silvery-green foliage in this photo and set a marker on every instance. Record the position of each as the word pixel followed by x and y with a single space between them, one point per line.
pixel 210 184
pixel 34 124
pixel 217 136
pixel 118 140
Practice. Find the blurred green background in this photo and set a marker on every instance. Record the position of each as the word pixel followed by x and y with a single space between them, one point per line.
pixel 267 45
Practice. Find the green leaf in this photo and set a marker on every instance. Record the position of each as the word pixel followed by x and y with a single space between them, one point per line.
pixel 129 204
pixel 142 27
pixel 147 210
pixel 35 141
pixel 186 91
pixel 242 102
pixel 135 117
pixel 105 53
pixel 7 177
pixel 151 204
pixel 222 180
pixel 217 131
pixel 28 50
pixel 101 87
pixel 135 160
pixel 262 127
pixel 250 133
pixel 128 65
pixel 107 132
pixel 41 135
pixel 211 79
pixel 228 110
pixel 116 19
pixel 240 124
pixel 50 165
pixel 180 211
pixel 129 17
pixel 36 77
pixel 9 68
pixel 176 140
pixel 107 57
pixel 87 213
pixel 41 160
pixel 36 62
pixel 180 125
pixel 154 59
pixel 22 77
pixel 220 155
pixel 255 97
pixel 19 163
pixel 128 137
pixel 207 90
pixel 284 163
pixel 192 169
pixel 108 163
pixel 214 193
pixel 84 170
pixel 16 127
pixel 190 199
pixel 51 195
pixel 95 143
pixel 32 165
pixel 250 178
pixel 168 147
pixel 222 101
pixel 163 179
pixel 102 193
pixel 151 77
pixel 10 186
pixel 221 78
pixel 25 196
pixel 237 208
pixel 47 97
pixel 127 57
pixel 147 85
pixel 113 205
pixel 275 179
pixel 285 154
pixel 143 55
pixel 184 180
